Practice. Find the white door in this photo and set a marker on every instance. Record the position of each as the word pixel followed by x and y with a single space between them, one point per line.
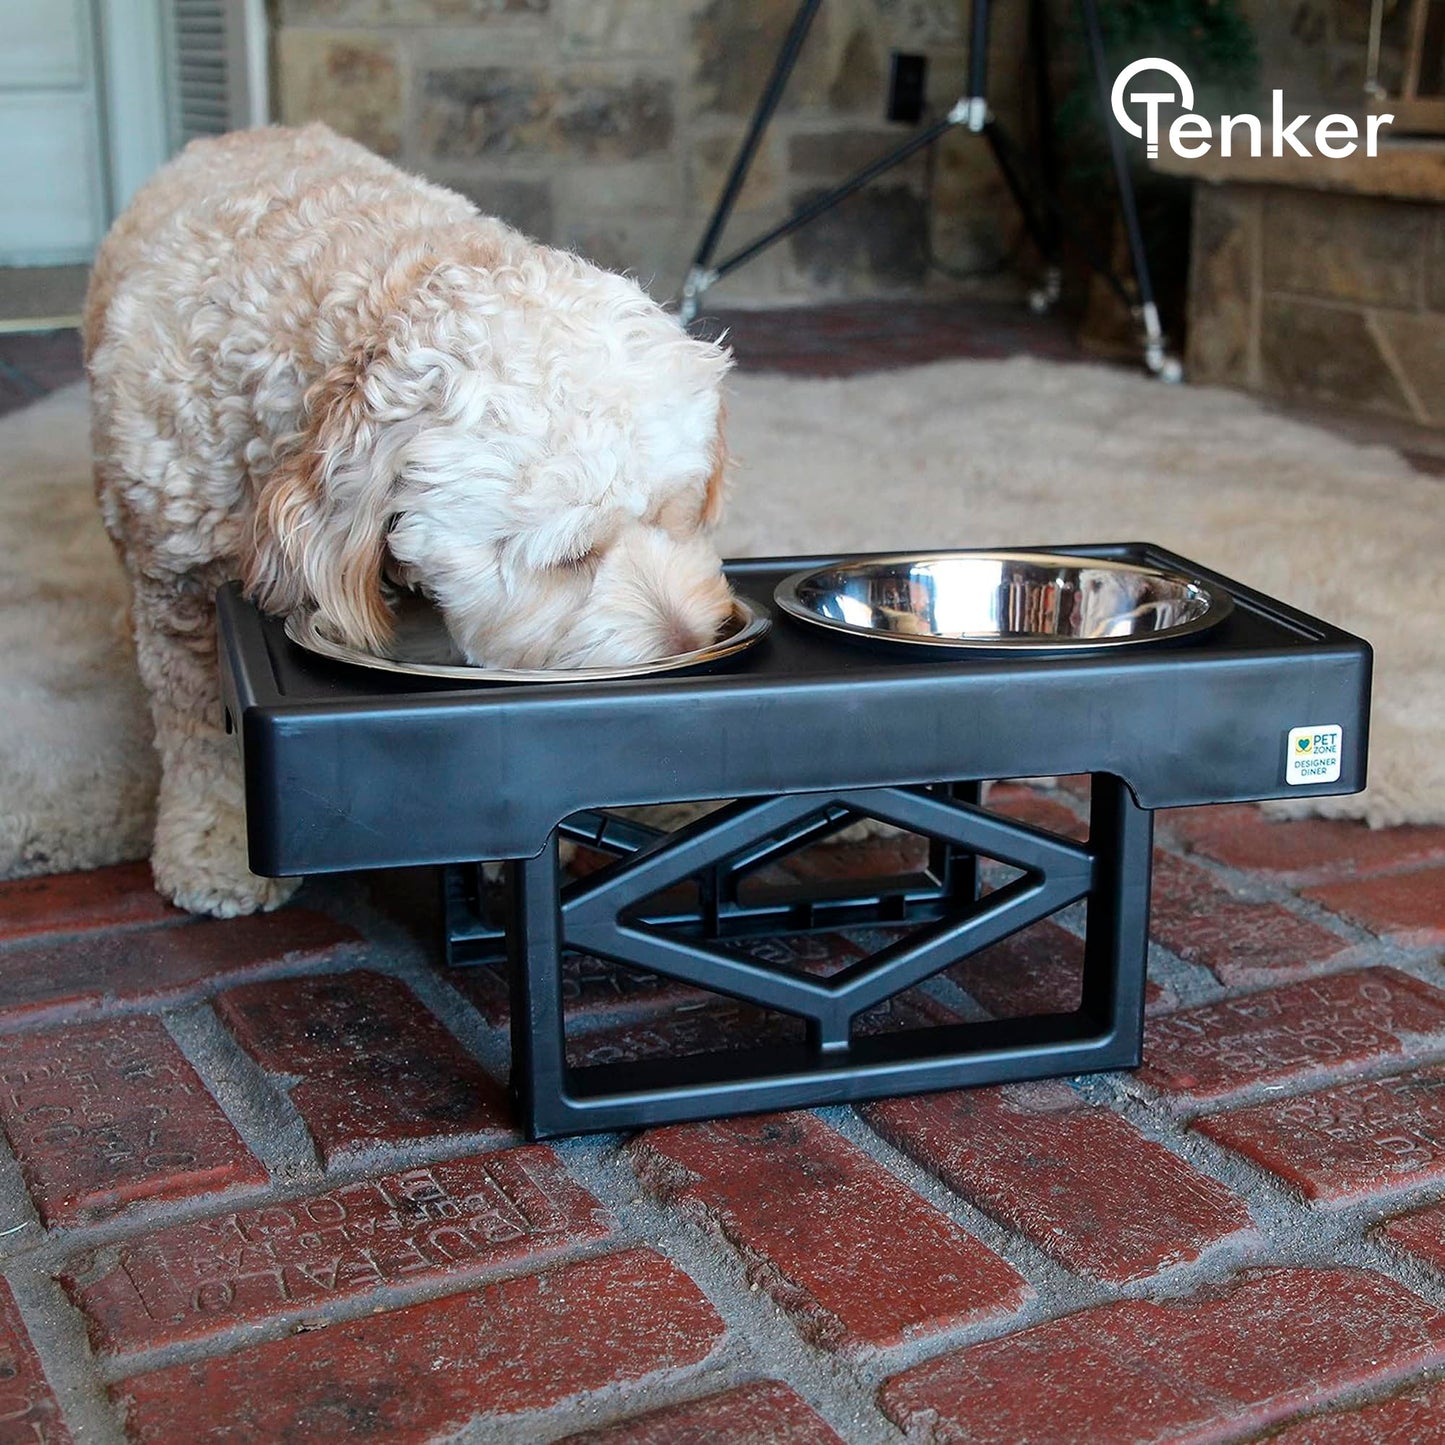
pixel 54 203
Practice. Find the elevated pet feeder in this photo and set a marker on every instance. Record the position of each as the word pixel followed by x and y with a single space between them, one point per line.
pixel 1169 685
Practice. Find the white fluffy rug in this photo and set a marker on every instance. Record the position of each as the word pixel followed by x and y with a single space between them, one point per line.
pixel 960 454
pixel 77 772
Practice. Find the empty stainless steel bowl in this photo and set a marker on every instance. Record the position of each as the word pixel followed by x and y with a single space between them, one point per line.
pixel 421 646
pixel 1002 601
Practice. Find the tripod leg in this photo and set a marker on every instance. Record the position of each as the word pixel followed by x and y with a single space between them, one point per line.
pixel 840 192
pixel 1155 357
pixel 978 59
pixel 699 276
pixel 1042 231
pixel 1047 294
pixel 1004 148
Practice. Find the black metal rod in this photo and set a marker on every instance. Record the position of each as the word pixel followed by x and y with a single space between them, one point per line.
pixel 829 199
pixel 1046 139
pixel 1001 144
pixel 1040 234
pixel 1118 155
pixel 767 104
pixel 978 50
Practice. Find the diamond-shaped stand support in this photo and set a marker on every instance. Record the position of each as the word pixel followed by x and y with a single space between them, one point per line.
pixel 619 914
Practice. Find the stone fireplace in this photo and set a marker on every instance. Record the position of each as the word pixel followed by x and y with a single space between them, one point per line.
pixel 1323 281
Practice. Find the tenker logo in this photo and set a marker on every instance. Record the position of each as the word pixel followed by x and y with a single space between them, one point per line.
pixel 1191 135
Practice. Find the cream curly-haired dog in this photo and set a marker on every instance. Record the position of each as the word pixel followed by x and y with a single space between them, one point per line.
pixel 314 372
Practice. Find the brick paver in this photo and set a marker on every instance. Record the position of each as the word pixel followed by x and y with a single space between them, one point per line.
pixel 750 1415
pixel 1420 1233
pixel 1413 1417
pixel 1029 805
pixel 28 1408
pixel 1039 970
pixel 375 1066
pixel 729 1024
pixel 1352 1140
pixel 417 1373
pixel 594 991
pixel 81 902
pixel 853 1255
pixel 1081 1182
pixel 1406 908
pixel 1239 942
pixel 444 1222
pixel 1212 1367
pixel 1310 849
pixel 104 1115
pixel 99 971
pixel 1298 1032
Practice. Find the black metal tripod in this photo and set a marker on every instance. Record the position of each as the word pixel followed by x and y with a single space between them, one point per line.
pixel 1043 214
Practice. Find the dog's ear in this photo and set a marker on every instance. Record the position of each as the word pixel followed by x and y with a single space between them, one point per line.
pixel 319 534
pixel 716 494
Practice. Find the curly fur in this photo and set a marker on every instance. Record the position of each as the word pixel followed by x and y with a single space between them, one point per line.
pixel 316 373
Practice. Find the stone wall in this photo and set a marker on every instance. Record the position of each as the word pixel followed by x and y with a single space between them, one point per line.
pixel 1325 296
pixel 608 125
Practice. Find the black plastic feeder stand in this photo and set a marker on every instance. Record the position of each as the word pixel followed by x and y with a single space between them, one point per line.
pixel 349 769
pixel 605 915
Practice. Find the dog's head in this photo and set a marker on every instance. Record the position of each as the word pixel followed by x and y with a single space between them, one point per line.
pixel 536 446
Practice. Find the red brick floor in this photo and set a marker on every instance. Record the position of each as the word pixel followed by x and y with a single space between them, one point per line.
pixel 260 1181
pixel 262 1184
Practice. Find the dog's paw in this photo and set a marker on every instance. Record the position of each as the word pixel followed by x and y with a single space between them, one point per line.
pixel 199 858
pixel 223 897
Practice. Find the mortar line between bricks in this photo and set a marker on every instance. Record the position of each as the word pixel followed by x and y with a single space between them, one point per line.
pixel 1415 1051
pixel 61 1244
pixel 45 1015
pixel 616 1402
pixel 1426 965
pixel 57 1332
pixel 26 1233
pixel 257 1103
pixel 1360 1214
pixel 1355 1398
pixel 1277 1209
pixel 43 937
pixel 770 1344
pixel 1275 1240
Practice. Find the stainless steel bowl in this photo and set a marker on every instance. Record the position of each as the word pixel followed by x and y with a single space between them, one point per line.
pixel 1003 601
pixel 421 646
